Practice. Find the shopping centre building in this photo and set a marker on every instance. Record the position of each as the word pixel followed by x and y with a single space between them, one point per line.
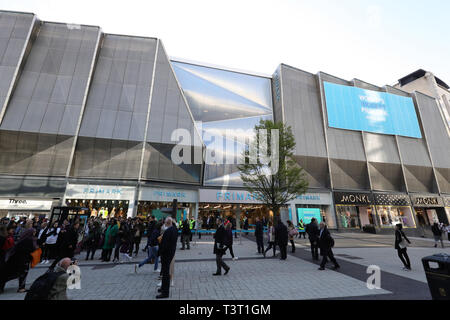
pixel 86 119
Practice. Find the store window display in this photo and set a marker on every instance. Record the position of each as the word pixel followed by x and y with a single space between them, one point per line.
pixel 348 216
pixel 391 216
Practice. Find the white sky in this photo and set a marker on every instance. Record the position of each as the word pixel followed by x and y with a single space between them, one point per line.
pixel 378 41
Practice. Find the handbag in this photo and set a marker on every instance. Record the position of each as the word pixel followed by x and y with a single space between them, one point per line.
pixel 36 257
pixel 402 244
pixel 293 233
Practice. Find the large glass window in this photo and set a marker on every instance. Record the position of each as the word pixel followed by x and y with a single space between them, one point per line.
pixel 347 216
pixel 390 216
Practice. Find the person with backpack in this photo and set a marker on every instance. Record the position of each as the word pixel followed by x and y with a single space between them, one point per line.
pixel 51 285
pixel 326 243
pixel 400 245
pixel 17 264
pixel 437 233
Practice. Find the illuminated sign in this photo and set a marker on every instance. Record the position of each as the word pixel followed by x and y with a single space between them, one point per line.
pixel 359 109
pixel 306 214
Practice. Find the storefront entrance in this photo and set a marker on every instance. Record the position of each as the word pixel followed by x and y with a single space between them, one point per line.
pixel 101 200
pixel 354 210
pixel 429 209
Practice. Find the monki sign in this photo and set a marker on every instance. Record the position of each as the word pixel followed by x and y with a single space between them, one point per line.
pixel 353 198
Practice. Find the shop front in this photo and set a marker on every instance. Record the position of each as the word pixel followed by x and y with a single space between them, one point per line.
pixel 447 206
pixel 429 209
pixel 238 204
pixel 354 210
pixel 159 202
pixel 393 209
pixel 15 208
pixel 102 200
pixel 309 205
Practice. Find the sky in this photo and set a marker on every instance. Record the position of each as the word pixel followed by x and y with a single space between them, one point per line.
pixel 377 41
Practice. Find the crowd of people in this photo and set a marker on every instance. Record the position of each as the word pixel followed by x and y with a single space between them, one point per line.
pixel 120 239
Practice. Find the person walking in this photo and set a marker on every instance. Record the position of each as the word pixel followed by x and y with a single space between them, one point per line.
pixel 437 233
pixel 121 236
pixel 326 243
pixel 152 249
pixel 220 248
pixel 167 249
pixel 185 234
pixel 400 246
pixel 199 227
pixel 281 239
pixel 292 233
pixel 271 238
pixel 229 239
pixel 18 263
pixel 313 234
pixel 259 234
pixel 110 238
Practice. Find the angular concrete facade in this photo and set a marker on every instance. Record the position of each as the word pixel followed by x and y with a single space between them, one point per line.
pixel 83 108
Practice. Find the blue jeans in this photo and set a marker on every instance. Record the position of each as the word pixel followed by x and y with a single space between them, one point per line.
pixel 152 252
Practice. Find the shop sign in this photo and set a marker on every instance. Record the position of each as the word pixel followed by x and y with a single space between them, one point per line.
pixel 353 198
pixel 167 195
pixel 387 199
pixel 424 201
pixel 74 191
pixel 23 204
pixel 227 196
pixel 313 198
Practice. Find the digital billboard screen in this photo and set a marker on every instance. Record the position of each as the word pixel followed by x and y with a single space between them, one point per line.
pixel 359 109
pixel 306 214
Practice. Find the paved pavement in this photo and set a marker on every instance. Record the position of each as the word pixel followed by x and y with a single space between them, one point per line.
pixel 251 277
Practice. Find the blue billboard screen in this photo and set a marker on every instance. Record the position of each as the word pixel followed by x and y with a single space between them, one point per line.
pixel 306 214
pixel 359 109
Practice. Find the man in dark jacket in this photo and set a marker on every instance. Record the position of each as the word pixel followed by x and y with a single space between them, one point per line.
pixel 281 239
pixel 259 234
pixel 326 243
pixel 167 250
pixel 68 244
pixel 185 234
pixel 313 234
pixel 220 248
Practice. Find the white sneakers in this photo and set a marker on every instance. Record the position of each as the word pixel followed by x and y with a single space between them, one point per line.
pixel 45 261
pixel 158 270
pixel 235 258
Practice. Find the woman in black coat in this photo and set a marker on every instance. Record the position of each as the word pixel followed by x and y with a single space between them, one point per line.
pixel 18 264
pixel 400 245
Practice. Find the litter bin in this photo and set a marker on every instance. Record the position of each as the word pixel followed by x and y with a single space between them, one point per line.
pixel 437 270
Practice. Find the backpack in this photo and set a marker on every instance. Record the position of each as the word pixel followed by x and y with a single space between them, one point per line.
pixel 40 289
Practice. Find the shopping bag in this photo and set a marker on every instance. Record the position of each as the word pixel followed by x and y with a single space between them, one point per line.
pixel 36 257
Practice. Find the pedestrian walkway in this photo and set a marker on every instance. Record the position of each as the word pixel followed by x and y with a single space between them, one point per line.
pixel 252 277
